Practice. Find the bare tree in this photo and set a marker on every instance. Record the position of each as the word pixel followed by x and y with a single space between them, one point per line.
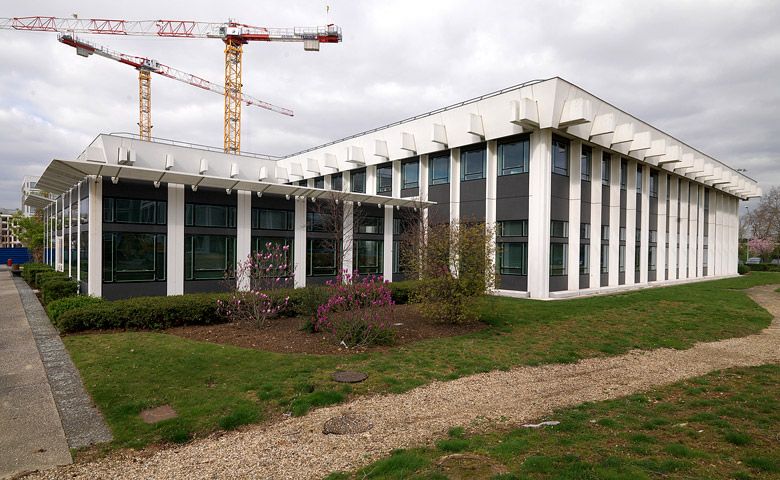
pixel 764 220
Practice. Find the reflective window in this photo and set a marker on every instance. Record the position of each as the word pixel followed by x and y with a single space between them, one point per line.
pixel 584 259
pixel 622 258
pixel 201 215
pixel 653 184
pixel 321 257
pixel 605 259
pixel 266 219
pixel 605 168
pixel 133 257
pixel 336 182
pixel 651 258
pixel 605 232
pixel 623 174
pixel 318 222
pixel 585 163
pixel 559 229
pixel 584 231
pixel 319 182
pixel 560 156
pixel 558 258
pixel 513 258
pixel 209 257
pixel 513 228
pixel 410 174
pixel 384 179
pixel 639 179
pixel 472 164
pixel 369 256
pixel 358 180
pixel 513 157
pixel 131 210
pixel 371 225
pixel 439 169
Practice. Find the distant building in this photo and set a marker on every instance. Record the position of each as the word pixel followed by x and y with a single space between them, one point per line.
pixel 7 237
pixel 584 197
pixel 32 197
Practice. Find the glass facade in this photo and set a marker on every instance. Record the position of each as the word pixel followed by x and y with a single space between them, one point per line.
pixel 558 258
pixel 439 169
pixel 369 256
pixel 371 225
pixel 585 163
pixel 358 181
pixel 410 174
pixel 513 228
pixel 321 257
pixel 267 219
pixel 201 215
pixel 384 179
pixel 513 258
pixel 560 156
pixel 133 257
pixel 336 182
pixel 132 210
pixel 472 164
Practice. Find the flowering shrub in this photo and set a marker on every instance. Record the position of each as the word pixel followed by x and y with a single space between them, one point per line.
pixel 266 270
pixel 763 247
pixel 358 312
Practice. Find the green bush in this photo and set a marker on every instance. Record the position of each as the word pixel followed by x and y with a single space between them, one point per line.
pixel 306 300
pixel 153 313
pixel 41 276
pixel 743 269
pixel 30 269
pixel 57 287
pixel 56 308
pixel 403 292
pixel 764 267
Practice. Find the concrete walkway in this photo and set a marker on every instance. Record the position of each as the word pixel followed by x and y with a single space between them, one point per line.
pixel 31 433
pixel 296 448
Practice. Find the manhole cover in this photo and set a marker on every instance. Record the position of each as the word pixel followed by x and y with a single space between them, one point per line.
pixel 470 466
pixel 349 376
pixel 158 414
pixel 346 424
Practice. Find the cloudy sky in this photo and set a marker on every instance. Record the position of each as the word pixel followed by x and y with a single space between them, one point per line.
pixel 705 72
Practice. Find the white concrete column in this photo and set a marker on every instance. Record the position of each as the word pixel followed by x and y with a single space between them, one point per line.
pixel 700 221
pixel 310 183
pixel 693 228
pixel 243 237
pixel 684 207
pixel 371 180
pixel 660 272
pixel 575 206
pixel 387 244
pixel 631 222
pixel 396 191
pixel 299 253
pixel 454 186
pixel 674 206
pixel 59 238
pixel 491 180
pixel 424 177
pixel 644 245
pixel 175 240
pixel 711 233
pixel 614 222
pixel 731 262
pixel 594 280
pixel 539 191
pixel 95 227
pixel 70 234
pixel 328 182
pixel 346 181
pixel 78 234
pixel 349 235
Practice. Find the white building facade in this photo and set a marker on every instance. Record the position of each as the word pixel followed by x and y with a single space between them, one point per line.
pixel 584 198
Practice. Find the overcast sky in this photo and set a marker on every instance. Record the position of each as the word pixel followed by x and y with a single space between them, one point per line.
pixel 707 73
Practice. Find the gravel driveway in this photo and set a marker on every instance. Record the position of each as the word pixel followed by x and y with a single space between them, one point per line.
pixel 297 449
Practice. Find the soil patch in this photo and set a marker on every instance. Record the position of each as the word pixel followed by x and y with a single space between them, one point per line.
pixel 158 414
pixel 286 335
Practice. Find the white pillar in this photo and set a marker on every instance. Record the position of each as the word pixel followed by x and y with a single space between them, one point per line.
pixel 175 240
pixel 644 227
pixel 693 228
pixel 299 250
pixel 700 225
pixel 78 234
pixel 490 194
pixel 734 215
pixel 396 181
pixel 575 205
pixel 348 240
pixel 614 222
pixel 630 222
pixel 327 182
pixel 95 228
pixel 674 206
pixel 387 244
pixel 70 233
pixel 711 233
pixel 243 237
pixel 539 191
pixel 346 181
pixel 660 272
pixel 594 280
pixel 683 260
pixel 454 186
pixel 423 182
pixel 371 180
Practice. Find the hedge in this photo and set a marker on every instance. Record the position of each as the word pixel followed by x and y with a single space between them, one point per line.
pixel 157 313
pixel 56 308
pixel 403 292
pixel 57 287
pixel 764 267
pixel 30 269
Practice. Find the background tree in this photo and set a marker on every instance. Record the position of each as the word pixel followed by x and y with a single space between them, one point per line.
pixel 29 231
pixel 763 221
pixel 762 247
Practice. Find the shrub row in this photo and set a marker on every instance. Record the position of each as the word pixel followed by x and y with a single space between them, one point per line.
pixel 156 313
pixel 31 269
pixel 764 267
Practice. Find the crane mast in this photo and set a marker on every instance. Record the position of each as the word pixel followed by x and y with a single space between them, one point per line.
pixel 232 33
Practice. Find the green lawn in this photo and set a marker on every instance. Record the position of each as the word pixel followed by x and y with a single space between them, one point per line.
pixel 720 426
pixel 220 387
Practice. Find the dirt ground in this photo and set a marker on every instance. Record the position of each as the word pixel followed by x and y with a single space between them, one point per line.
pixel 286 335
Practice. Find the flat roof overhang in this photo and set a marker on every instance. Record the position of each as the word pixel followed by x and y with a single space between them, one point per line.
pixel 62 175
pixel 37 201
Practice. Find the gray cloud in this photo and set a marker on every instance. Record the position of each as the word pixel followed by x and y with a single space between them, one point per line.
pixel 705 72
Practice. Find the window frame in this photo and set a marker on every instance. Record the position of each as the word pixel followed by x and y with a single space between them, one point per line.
pixel 384 172
pixel 564 146
pixel 562 269
pixel 525 156
pixel 466 160
pixel 504 249
pixel 442 159
pixel 586 159
pixel 406 183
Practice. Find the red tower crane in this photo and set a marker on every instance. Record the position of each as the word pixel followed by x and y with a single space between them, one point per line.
pixel 146 67
pixel 232 33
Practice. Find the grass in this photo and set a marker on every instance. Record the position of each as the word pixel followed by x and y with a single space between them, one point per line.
pixel 697 439
pixel 216 387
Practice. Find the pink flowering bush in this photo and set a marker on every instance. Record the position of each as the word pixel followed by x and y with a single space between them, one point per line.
pixel 358 312
pixel 263 272
pixel 762 247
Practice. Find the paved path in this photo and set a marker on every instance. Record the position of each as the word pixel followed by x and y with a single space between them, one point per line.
pixel 297 449
pixel 31 434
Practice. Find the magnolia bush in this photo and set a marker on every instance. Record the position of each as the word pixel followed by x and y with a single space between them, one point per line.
pixel 763 247
pixel 358 312
pixel 261 272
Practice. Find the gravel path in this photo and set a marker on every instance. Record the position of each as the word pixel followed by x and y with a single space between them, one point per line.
pixel 297 449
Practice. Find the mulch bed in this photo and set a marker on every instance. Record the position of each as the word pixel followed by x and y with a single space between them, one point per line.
pixel 286 335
